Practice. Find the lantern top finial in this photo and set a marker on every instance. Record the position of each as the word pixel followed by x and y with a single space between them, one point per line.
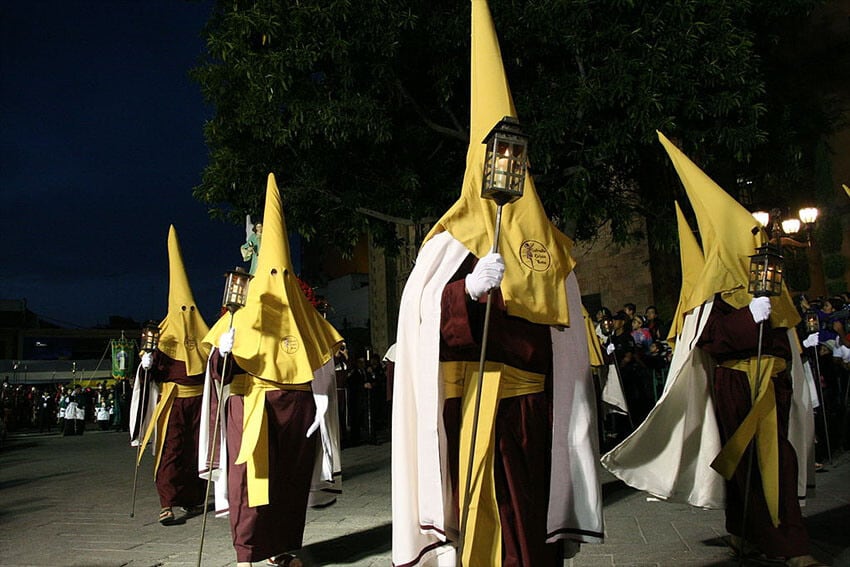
pixel 508 125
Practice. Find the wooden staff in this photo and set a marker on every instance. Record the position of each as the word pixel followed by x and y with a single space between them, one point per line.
pixel 142 405
pixel 212 446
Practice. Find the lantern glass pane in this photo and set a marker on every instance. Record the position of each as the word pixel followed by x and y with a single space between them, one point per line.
pixel 812 322
pixel 505 164
pixel 235 289
pixel 150 337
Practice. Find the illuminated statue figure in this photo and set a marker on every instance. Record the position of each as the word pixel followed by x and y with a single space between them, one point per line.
pixel 251 249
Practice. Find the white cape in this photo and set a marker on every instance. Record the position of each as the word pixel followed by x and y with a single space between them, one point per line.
pixel 422 512
pixel 141 418
pixel 669 455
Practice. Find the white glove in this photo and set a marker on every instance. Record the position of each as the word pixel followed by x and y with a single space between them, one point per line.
pixel 147 360
pixel 610 349
pixel 486 275
pixel 845 355
pixel 321 410
pixel 760 308
pixel 841 352
pixel 225 342
pixel 811 341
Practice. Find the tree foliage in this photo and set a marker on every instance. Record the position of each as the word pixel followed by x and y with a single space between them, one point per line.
pixel 364 105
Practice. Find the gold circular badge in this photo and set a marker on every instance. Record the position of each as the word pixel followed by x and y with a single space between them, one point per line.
pixel 535 256
pixel 290 344
pixel 190 343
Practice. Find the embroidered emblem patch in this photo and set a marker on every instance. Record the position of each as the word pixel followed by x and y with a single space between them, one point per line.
pixel 290 344
pixel 535 256
pixel 190 343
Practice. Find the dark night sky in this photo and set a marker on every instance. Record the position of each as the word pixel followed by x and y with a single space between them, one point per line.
pixel 101 143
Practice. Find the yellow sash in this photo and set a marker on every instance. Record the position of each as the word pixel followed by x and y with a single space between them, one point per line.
pixel 482 542
pixel 162 412
pixel 761 424
pixel 255 432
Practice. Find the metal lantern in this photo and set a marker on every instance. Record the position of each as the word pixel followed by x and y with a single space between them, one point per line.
pixel 505 163
pixel 150 336
pixel 812 321
pixel 766 267
pixel 607 325
pixel 236 289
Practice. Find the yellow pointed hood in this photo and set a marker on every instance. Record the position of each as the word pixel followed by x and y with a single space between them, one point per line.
pixel 181 331
pixel 693 262
pixel 537 255
pixel 594 347
pixel 279 335
pixel 729 236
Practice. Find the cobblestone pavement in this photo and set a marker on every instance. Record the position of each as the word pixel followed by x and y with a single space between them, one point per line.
pixel 66 501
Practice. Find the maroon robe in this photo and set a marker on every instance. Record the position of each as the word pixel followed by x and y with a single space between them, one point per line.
pixel 523 423
pixel 264 531
pixel 177 481
pixel 731 334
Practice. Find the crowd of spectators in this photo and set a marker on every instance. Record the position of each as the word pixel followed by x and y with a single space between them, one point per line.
pixel 364 396
pixel 830 357
pixel 635 345
pixel 64 408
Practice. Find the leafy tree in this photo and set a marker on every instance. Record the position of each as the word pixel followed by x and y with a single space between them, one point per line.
pixel 364 105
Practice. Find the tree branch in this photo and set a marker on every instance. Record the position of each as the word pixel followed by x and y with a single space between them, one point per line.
pixel 454 133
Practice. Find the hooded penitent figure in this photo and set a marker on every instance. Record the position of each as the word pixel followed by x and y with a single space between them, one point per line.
pixel 720 396
pixel 167 392
pixel 275 359
pixel 534 480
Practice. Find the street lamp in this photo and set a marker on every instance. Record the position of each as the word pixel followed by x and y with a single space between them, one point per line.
pixel 782 230
pixel 809 216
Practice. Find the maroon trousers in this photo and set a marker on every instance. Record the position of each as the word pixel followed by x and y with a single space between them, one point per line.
pixel 177 480
pixel 263 531
pixel 521 475
pixel 790 539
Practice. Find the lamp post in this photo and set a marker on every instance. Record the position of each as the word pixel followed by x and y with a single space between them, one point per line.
pixel 235 297
pixel 503 181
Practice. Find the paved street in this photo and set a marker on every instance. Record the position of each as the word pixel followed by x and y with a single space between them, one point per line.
pixel 66 501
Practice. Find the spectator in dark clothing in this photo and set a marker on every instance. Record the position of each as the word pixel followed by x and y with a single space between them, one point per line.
pixel 654 324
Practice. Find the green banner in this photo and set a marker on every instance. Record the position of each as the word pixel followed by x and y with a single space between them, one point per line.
pixel 123 358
